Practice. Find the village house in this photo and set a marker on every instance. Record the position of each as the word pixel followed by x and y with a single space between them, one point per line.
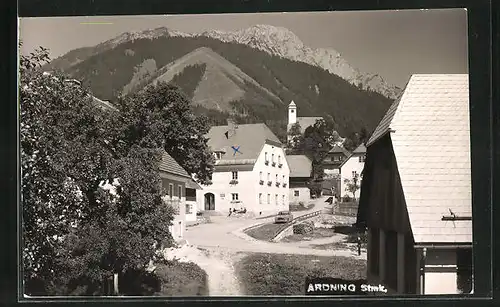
pixel 175 182
pixel 351 168
pixel 251 171
pixel 334 159
pixel 300 175
pixel 191 202
pixel 416 191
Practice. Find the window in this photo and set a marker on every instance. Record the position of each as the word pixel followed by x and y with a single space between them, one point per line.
pixel 268 176
pixel 336 158
pixel 268 198
pixel 179 191
pixel 218 155
pixel 260 198
pixel 276 199
pixel 362 158
pixel 354 173
pixel 164 189
pixel 279 159
pixel 265 156
pixel 276 177
pixel 189 209
pixel 234 196
pixel 296 193
pixel 284 179
pixel 292 111
pixel 170 189
pixel 283 199
pixel 272 158
pixel 260 176
pixel 235 175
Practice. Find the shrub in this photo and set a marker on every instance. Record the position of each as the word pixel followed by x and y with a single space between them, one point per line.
pixel 346 199
pixel 181 279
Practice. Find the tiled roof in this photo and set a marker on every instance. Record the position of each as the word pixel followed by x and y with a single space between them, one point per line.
pixel 169 165
pixel 339 149
pixel 361 149
pixel 305 122
pixel 300 166
pixel 191 184
pixel 385 124
pixel 431 143
pixel 250 138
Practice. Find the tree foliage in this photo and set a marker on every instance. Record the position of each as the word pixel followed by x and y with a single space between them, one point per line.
pixel 316 142
pixel 353 140
pixel 161 116
pixel 353 184
pixel 91 191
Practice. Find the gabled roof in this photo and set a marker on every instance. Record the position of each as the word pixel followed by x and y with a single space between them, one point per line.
pixel 300 166
pixel 385 124
pixel 306 122
pixel 339 149
pixel 169 165
pixel 359 151
pixel 191 184
pixel 250 138
pixel 431 141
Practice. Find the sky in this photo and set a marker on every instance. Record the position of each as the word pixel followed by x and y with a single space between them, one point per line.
pixel 393 44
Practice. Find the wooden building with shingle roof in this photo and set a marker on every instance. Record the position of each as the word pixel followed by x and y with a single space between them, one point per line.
pixel 416 190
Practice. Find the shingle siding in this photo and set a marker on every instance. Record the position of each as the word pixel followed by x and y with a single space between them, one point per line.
pixel 431 142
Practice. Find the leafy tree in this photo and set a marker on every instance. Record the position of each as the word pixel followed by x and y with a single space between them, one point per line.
pixel 161 116
pixel 316 142
pixel 294 134
pixel 353 184
pixel 91 192
pixel 363 136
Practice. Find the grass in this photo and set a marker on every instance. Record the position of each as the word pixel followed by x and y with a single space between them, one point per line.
pixel 317 233
pixel 275 274
pixel 301 207
pixel 265 232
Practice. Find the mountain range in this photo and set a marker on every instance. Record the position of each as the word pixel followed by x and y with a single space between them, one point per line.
pixel 252 74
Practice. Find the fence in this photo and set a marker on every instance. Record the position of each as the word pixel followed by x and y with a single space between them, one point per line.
pixel 346 209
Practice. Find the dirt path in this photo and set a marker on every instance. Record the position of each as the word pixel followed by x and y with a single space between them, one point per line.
pixel 217 263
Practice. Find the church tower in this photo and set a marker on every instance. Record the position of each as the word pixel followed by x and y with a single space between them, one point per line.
pixel 292 114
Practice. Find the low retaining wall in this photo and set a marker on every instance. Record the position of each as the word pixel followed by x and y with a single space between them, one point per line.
pixel 288 229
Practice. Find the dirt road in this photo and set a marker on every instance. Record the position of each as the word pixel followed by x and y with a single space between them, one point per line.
pixel 218 264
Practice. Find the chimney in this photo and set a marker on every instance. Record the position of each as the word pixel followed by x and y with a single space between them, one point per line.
pixel 231 126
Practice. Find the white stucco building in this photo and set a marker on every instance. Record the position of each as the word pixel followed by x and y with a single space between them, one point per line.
pixel 251 171
pixel 351 167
